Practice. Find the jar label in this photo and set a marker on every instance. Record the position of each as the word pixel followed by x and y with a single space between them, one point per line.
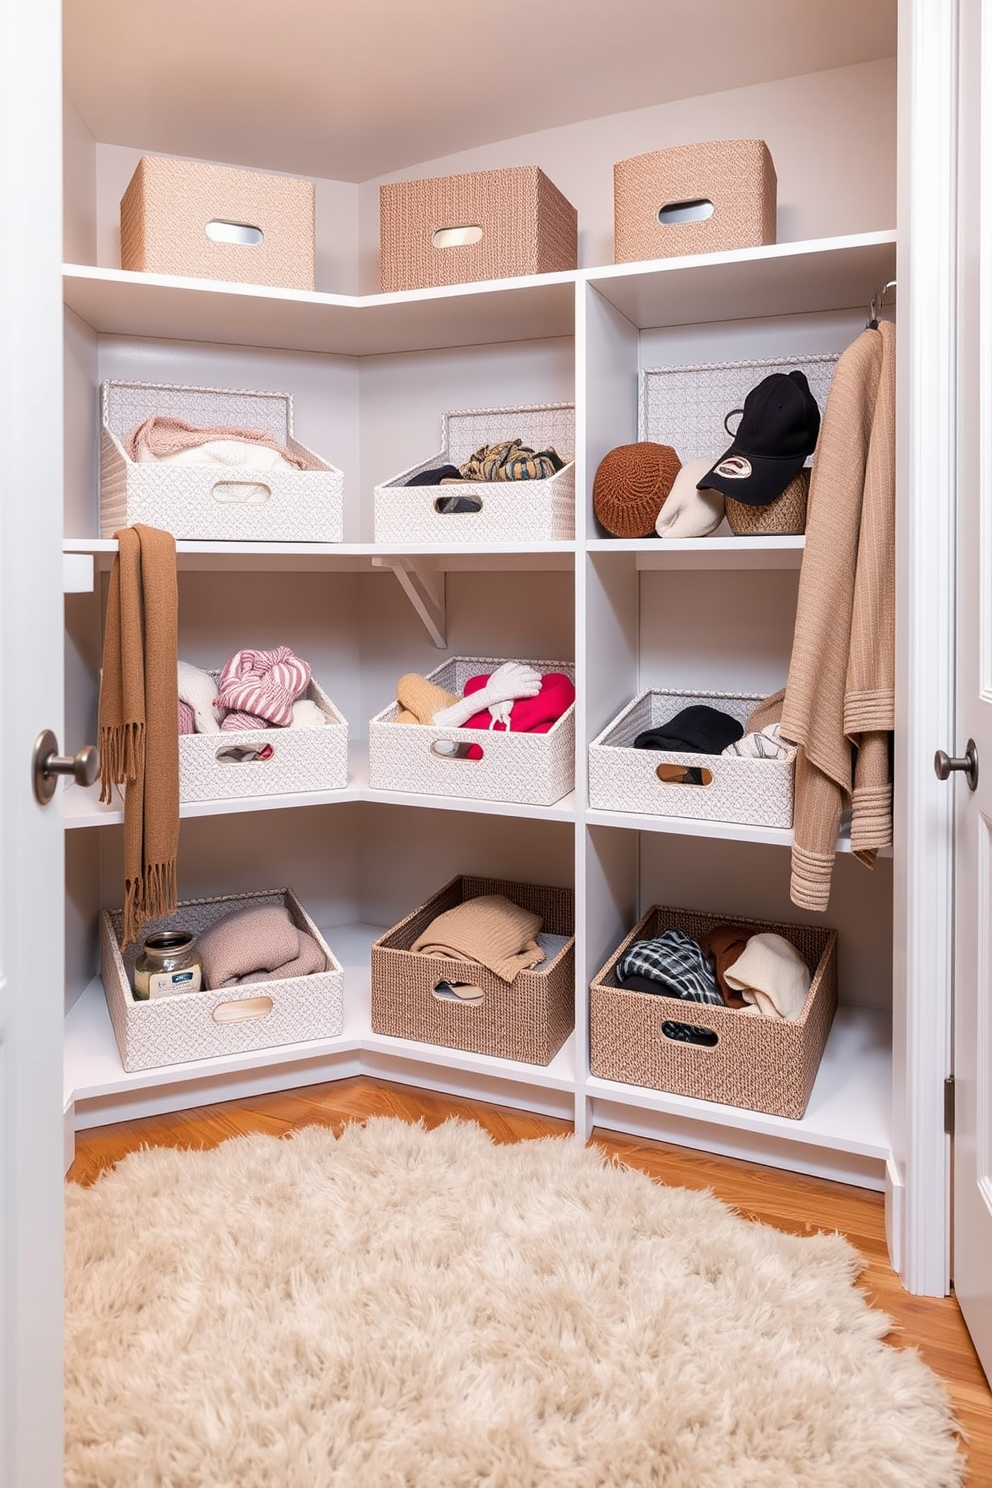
pixel 169 983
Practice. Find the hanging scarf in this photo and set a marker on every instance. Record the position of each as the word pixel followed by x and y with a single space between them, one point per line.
pixel 139 741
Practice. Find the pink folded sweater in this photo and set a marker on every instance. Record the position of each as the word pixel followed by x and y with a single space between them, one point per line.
pixel 535 715
pixel 162 435
pixel 257 945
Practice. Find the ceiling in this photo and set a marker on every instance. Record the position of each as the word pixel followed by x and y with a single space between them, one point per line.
pixel 352 89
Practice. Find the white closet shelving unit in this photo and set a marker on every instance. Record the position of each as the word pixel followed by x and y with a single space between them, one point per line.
pixel 371 375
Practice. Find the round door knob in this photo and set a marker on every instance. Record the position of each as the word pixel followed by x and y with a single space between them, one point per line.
pixel 945 764
pixel 47 765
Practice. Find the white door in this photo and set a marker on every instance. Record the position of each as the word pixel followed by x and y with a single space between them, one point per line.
pixel 972 1239
pixel 31 873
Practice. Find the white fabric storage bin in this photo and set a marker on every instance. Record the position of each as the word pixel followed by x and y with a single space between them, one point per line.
pixel 313 759
pixel 746 791
pixel 511 511
pixel 229 1020
pixel 208 503
pixel 686 406
pixel 531 769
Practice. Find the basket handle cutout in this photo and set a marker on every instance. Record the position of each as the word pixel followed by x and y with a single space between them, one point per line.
pixel 453 749
pixel 244 754
pixel 240 233
pixel 467 993
pixel 241 493
pixel 690 1033
pixel 457 506
pixel 684 774
pixel 456 237
pixel 696 210
pixel 243 1010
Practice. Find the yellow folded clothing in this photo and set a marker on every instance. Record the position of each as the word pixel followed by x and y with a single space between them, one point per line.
pixel 491 929
pixel 419 699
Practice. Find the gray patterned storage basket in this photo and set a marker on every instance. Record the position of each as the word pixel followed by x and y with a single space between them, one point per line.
pixel 686 406
pixel 512 511
pixel 754 792
pixel 205 503
pixel 313 759
pixel 532 769
pixel 762 1064
pixel 205 1025
pixel 527 1019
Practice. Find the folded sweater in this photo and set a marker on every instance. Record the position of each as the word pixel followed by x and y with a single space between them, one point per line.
pixel 490 929
pixel 248 944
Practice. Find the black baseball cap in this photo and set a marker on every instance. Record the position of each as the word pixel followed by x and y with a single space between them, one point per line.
pixel 776 434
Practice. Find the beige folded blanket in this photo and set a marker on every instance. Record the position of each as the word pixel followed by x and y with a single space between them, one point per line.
pixel 310 959
pixel 162 437
pixel 247 944
pixel 491 929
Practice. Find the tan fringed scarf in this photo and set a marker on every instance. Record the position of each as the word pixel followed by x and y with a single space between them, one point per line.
pixel 139 737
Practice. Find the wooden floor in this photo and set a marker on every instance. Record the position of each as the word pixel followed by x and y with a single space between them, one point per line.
pixel 787 1200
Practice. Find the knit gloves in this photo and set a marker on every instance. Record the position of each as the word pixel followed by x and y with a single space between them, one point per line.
pixel 264 684
pixel 419 699
pixel 514 679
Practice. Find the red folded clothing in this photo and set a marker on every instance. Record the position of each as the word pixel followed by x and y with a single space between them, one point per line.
pixel 534 715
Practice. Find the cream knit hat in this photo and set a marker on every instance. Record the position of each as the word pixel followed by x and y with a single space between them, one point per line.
pixel 688 512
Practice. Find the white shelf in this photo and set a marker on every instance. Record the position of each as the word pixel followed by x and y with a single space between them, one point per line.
pixel 93 1067
pixel 82 808
pixel 849 1108
pixel 782 279
pixel 117 302
pixel 211 555
pixel 720 552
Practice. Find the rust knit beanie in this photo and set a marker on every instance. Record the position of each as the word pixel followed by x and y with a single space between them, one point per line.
pixel 631 486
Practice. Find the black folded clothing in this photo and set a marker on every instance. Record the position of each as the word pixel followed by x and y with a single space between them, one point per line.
pixel 698 729
pixel 436 476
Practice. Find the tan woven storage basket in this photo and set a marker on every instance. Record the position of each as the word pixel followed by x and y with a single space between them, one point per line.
pixel 533 769
pixel 206 503
pixel 762 1064
pixel 511 511
pixel 736 176
pixel 527 1019
pixel 205 1025
pixel 527 227
pixel 783 517
pixel 301 760
pixel 753 792
pixel 174 210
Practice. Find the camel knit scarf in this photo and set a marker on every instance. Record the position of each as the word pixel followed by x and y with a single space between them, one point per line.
pixel 139 741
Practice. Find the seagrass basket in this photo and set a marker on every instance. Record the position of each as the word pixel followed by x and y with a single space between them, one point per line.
pixel 206 221
pixel 494 224
pixel 762 1064
pixel 530 769
pixel 652 193
pixel 230 1020
pixel 527 1019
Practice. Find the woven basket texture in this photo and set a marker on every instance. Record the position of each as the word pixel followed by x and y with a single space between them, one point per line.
pixel 168 204
pixel 746 791
pixel 173 1030
pixel 302 759
pixel 762 1064
pixel 189 501
pixel 528 1019
pixel 527 228
pixel 531 769
pixel 686 406
pixel 785 516
pixel 512 511
pixel 737 176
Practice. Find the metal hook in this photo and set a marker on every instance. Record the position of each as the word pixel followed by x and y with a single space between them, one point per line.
pixel 875 308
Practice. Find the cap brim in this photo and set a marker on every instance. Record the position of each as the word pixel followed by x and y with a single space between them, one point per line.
pixel 768 478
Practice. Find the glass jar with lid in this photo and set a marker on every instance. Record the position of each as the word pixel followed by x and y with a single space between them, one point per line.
pixel 167 964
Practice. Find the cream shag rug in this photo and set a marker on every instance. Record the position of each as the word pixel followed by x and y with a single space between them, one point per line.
pixel 398 1308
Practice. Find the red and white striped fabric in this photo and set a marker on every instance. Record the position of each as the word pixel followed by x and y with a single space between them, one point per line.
pixel 264 683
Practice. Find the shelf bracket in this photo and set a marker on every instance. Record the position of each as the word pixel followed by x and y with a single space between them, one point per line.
pixel 423 586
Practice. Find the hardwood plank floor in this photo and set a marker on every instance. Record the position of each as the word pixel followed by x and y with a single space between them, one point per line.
pixel 789 1201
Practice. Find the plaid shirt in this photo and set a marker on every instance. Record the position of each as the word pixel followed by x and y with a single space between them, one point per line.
pixel 677 963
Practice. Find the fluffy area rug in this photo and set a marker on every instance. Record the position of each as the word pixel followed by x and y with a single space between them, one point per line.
pixel 398 1308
